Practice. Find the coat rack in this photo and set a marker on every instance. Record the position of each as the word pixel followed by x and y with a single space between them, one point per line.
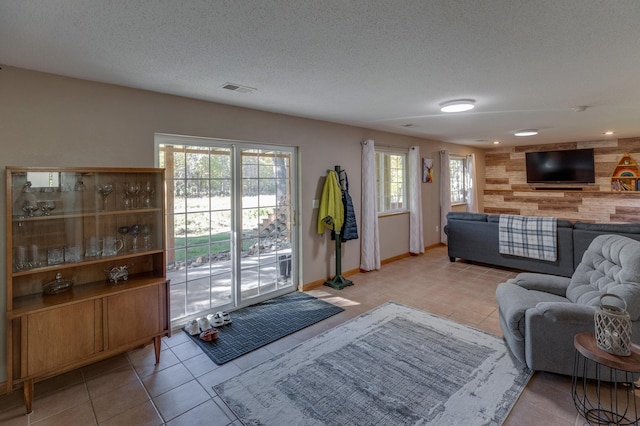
pixel 338 282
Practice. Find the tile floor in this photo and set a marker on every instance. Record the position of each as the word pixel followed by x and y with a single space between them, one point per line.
pixel 131 390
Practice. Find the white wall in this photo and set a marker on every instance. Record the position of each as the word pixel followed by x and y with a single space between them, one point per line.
pixel 49 120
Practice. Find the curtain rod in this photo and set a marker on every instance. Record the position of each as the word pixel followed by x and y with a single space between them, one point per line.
pixel 387 146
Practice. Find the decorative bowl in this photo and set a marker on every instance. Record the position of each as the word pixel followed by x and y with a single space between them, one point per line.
pixel 117 273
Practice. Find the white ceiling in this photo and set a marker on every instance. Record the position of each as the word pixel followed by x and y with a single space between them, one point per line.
pixel 380 64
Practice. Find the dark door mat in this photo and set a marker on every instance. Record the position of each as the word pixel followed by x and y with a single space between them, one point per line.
pixel 257 325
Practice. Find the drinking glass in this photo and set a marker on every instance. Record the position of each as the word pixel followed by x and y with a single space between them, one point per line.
pixel 105 190
pixel 123 230
pixel 134 230
pixel 145 230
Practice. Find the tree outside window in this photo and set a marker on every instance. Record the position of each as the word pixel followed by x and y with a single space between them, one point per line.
pixel 458 170
pixel 391 181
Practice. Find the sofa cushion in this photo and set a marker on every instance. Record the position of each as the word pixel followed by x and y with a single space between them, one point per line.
pixel 611 264
pixel 560 223
pixel 478 217
pixel 616 228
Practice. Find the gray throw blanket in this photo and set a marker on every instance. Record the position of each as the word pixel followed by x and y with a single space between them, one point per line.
pixel 526 236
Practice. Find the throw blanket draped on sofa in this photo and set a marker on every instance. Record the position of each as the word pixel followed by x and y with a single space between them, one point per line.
pixel 526 236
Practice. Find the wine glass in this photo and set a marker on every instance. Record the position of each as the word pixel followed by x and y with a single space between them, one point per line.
pixel 134 230
pixel 145 230
pixel 123 230
pixel 126 199
pixel 79 185
pixel 47 206
pixel 148 192
pixel 105 190
pixel 132 190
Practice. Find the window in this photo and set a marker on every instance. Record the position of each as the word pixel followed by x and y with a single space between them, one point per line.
pixel 391 179
pixel 459 185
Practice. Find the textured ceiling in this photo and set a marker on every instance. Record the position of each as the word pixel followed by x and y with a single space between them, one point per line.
pixel 381 64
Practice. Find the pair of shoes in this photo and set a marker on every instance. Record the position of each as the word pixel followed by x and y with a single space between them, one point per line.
pixel 212 320
pixel 204 324
pixel 220 318
pixel 192 327
pixel 209 335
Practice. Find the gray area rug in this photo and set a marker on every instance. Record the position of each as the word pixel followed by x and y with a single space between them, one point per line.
pixel 393 365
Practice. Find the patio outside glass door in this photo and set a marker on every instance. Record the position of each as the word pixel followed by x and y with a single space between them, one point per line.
pixel 230 223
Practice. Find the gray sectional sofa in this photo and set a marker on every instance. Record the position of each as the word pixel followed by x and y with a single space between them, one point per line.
pixel 474 237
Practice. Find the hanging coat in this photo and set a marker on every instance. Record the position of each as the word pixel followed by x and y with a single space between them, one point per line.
pixel 350 227
pixel 331 204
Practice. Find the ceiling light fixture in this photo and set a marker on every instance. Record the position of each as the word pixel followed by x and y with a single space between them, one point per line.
pixel 609 133
pixel 238 88
pixel 459 105
pixel 496 142
pixel 526 132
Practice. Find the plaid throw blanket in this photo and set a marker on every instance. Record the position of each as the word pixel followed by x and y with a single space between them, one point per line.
pixel 533 237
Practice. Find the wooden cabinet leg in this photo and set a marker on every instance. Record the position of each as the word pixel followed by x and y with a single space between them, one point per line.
pixel 28 395
pixel 157 345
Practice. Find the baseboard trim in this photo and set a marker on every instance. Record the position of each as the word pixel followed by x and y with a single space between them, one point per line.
pixel 314 284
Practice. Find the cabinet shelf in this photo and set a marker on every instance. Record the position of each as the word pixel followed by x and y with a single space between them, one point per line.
pixel 34 303
pixel 95 261
pixel 79 215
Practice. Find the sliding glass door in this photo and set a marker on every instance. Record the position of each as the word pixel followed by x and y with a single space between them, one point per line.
pixel 230 223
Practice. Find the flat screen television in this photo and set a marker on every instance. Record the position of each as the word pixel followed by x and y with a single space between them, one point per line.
pixel 568 166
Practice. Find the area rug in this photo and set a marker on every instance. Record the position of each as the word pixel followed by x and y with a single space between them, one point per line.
pixel 394 365
pixel 258 325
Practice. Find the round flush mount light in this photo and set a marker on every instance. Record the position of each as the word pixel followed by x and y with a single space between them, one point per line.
pixel 609 133
pixel 526 132
pixel 459 105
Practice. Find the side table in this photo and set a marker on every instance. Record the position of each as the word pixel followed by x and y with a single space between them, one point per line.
pixel 610 399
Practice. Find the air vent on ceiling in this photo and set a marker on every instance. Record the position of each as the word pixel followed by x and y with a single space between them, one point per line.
pixel 238 88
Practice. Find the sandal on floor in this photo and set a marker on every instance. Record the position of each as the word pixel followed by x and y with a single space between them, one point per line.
pixel 209 335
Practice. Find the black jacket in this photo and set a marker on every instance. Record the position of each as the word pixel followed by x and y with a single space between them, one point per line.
pixel 350 227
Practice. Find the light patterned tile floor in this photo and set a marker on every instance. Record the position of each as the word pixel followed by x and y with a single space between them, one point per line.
pixel 131 390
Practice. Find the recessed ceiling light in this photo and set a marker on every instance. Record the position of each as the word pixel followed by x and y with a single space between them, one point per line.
pixel 496 142
pixel 609 133
pixel 238 88
pixel 459 105
pixel 526 132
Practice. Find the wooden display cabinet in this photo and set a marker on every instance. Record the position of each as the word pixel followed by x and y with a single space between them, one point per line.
pixel 100 231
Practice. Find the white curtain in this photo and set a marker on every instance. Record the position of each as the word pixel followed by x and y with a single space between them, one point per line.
pixel 445 192
pixel 369 240
pixel 414 170
pixel 472 191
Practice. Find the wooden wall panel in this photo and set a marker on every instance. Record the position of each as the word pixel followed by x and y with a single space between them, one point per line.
pixel 507 192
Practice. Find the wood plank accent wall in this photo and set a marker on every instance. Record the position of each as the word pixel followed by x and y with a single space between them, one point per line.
pixel 506 189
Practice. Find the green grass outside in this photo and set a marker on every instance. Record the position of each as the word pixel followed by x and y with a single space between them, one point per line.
pixel 199 246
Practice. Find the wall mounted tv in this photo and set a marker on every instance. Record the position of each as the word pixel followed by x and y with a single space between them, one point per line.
pixel 568 166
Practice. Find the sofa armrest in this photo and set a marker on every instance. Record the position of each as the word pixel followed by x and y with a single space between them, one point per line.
pixel 566 312
pixel 553 284
pixel 549 331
